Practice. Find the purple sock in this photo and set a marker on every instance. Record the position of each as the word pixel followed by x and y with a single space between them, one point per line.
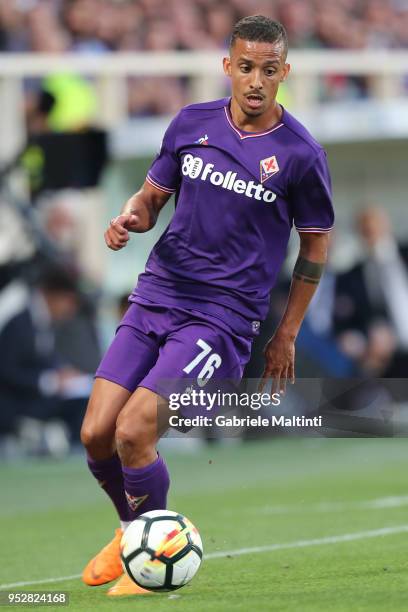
pixel 146 488
pixel 108 472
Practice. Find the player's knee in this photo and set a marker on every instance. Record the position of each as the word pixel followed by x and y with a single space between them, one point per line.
pixel 96 439
pixel 135 430
pixel 87 436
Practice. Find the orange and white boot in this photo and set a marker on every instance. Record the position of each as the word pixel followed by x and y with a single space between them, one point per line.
pixel 126 586
pixel 106 565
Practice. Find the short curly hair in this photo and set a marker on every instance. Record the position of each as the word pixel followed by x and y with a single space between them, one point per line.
pixel 258 28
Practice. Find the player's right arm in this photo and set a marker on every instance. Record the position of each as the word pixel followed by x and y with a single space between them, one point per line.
pixel 139 214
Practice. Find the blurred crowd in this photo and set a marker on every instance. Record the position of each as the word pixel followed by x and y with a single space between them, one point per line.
pixel 104 26
pixel 357 322
pixel 49 350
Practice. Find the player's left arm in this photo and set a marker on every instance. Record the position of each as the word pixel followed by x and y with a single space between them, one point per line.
pixel 280 350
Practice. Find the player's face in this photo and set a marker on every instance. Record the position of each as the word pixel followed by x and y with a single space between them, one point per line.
pixel 256 70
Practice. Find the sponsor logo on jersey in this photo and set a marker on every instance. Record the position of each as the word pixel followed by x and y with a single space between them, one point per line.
pixel 202 141
pixel 195 168
pixel 135 502
pixel 268 166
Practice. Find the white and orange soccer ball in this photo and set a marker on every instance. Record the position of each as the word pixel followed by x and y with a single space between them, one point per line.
pixel 161 550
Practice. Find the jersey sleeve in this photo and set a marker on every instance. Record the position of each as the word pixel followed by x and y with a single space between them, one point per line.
pixel 164 173
pixel 312 198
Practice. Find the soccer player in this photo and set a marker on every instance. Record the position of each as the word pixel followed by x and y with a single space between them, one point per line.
pixel 243 171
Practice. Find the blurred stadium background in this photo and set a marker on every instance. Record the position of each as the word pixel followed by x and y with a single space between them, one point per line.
pixel 87 88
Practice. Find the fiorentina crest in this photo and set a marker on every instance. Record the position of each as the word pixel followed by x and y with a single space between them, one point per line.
pixel 268 166
pixel 135 502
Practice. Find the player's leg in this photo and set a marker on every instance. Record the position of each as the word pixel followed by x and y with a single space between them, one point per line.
pixel 98 428
pixel 145 417
pixel 145 474
pixel 140 424
pixel 98 437
pixel 128 359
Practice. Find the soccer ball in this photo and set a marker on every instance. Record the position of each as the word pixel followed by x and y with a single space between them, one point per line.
pixel 161 550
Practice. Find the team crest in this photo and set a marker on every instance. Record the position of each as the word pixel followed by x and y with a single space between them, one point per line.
pixel 268 166
pixel 135 502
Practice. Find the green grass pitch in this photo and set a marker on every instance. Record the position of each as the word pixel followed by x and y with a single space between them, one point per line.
pixel 295 496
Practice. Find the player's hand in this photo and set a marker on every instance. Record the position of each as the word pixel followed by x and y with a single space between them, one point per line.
pixel 279 356
pixel 117 234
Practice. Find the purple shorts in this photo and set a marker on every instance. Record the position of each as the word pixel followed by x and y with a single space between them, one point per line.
pixel 155 344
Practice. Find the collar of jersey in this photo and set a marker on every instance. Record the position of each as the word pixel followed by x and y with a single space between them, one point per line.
pixel 244 135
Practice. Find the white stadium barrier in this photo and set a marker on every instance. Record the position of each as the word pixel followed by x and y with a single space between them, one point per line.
pixel 386 71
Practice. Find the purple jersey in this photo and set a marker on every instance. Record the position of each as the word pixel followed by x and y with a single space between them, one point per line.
pixel 238 194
